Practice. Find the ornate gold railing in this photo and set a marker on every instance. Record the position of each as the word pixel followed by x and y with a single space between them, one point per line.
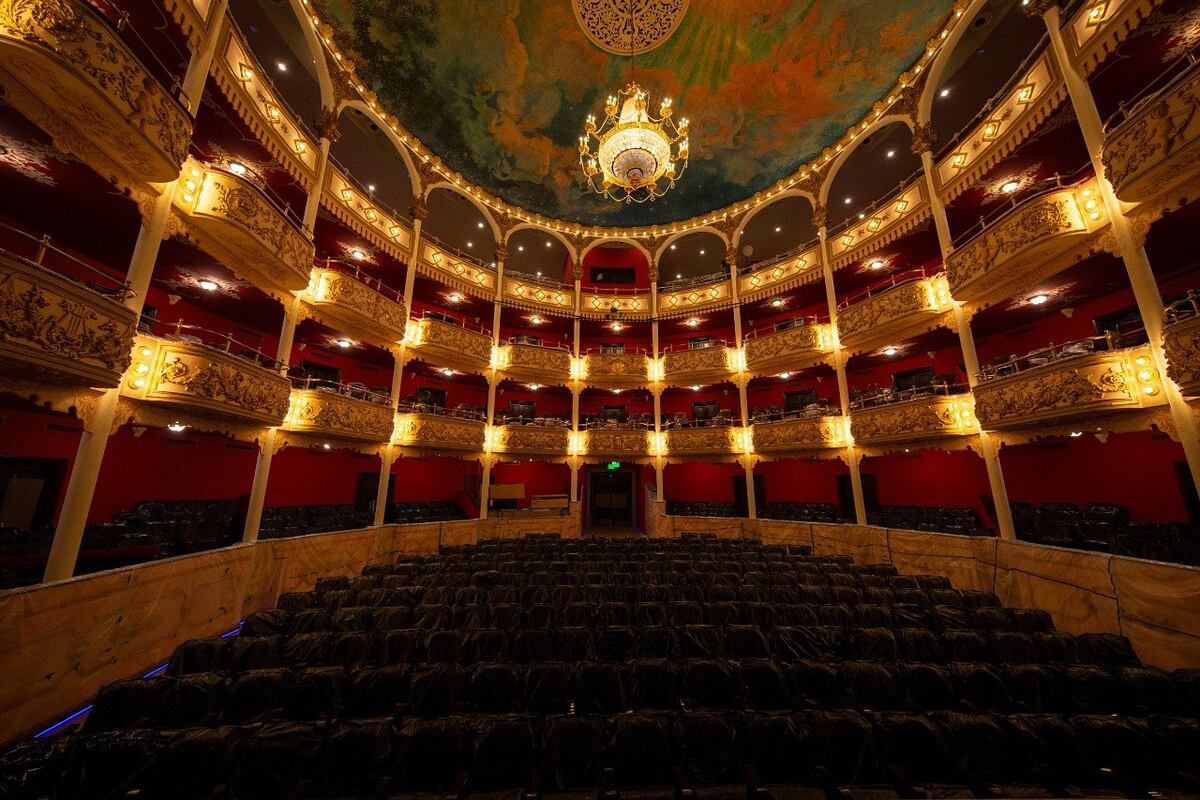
pixel 64 67
pixel 234 221
pixel 700 366
pixel 530 440
pixel 617 442
pixel 55 330
pixel 450 345
pixel 798 434
pixel 894 314
pixel 434 433
pixel 524 362
pixel 1181 341
pixel 919 419
pixel 346 303
pixel 1156 149
pixel 788 350
pixel 696 298
pixel 616 370
pixel 701 441
pixel 1060 386
pixel 207 381
pixel 329 413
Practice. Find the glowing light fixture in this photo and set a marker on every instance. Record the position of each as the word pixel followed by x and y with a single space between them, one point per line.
pixel 693 323
pixel 237 169
pixel 177 427
pixel 454 297
pixel 345 344
pixel 207 285
pixel 1039 299
pixel 447 372
pixel 1010 186
pixel 784 375
pixel 889 351
pixel 877 264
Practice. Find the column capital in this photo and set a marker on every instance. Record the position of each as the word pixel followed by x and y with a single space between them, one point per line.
pixel 501 252
pixel 327 124
pixel 820 215
pixel 419 210
pixel 1038 8
pixel 924 139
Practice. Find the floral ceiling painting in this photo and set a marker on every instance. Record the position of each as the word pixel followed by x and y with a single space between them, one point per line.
pixel 499 89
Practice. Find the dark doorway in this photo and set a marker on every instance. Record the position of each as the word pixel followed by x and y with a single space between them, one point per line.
pixel 1188 489
pixel 799 400
pixel 741 507
pixel 846 495
pixel 522 409
pixel 610 498
pixel 705 410
pixel 366 487
pixel 29 488
pixel 429 396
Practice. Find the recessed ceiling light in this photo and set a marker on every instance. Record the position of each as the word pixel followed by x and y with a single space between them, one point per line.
pixel 520 248
pixel 207 285
pixel 1039 299
pixel 447 372
pixel 616 391
pixel 695 388
pixel 344 344
pixel 454 297
pixel 177 427
pixel 693 322
pixel 616 327
pixel 480 226
pixel 547 244
pixel 701 252
pixel 878 264
pixel 237 168
pixel 777 302
pixel 891 153
pixel 944 92
pixel 848 200
pixel 785 375
pixel 1010 187
pixel 533 387
pixel 535 320
pixel 470 244
pixel 778 228
pixel 1076 434
pixel 281 66
pixel 889 351
pixel 539 273
pixel 370 187
pixel 359 255
pixel 672 247
pixel 862 215
pixel 678 276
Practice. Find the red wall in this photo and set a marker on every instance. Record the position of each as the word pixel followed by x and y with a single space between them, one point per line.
pixel 26 433
pixel 539 477
pixel 433 479
pixel 312 476
pixel 694 482
pixel 932 478
pixel 628 257
pixel 797 480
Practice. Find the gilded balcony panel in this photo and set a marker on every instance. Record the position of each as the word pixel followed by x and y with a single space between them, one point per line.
pixel 430 433
pixel 1069 389
pixel 530 440
pixel 1156 150
pixel 920 419
pixel 64 67
pixel 618 442
pixel 338 416
pixel 893 218
pixel 798 434
pixel 234 222
pixel 1182 344
pixel 595 304
pixel 789 349
pixel 457 271
pixel 701 442
pixel 346 304
pixel 205 381
pixel 362 214
pixel 54 330
pixel 1037 239
pixel 448 345
pixel 779 275
pixel 617 370
pixel 533 294
pixel 896 314
pixel 702 365
pixel 534 364
pixel 696 298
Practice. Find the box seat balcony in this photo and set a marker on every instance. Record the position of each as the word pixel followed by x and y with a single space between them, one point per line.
pixel 339 411
pixel 349 301
pixel 796 345
pixel 616 370
pixel 423 429
pixel 798 432
pixel 448 343
pixel 531 363
pixel 689 366
pixel 924 414
pixel 910 304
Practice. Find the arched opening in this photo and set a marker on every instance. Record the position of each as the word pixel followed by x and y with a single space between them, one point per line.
pixel 278 42
pixel 879 165
pixel 372 160
pixel 696 255
pixel 540 254
pixel 779 228
pixel 457 223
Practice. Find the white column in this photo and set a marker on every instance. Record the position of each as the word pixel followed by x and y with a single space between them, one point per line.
pixel 820 215
pixel 493 381
pixel 313 204
pixel 192 88
pixel 576 388
pixel 1137 264
pixel 656 389
pixel 747 464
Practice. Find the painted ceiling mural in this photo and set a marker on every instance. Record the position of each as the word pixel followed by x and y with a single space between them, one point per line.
pixel 499 89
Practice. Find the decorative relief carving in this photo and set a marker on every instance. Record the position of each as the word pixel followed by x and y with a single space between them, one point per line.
pixel 1181 342
pixel 697 441
pixel 530 439
pixel 54 329
pixel 923 418
pixel 459 344
pixel 356 307
pixel 553 362
pixel 80 71
pixel 1157 147
pixel 338 415
pixel 900 307
pixel 618 441
pixel 429 432
pixel 798 434
pixel 705 359
pixel 791 345
pixel 624 28
pixel 616 365
pixel 224 383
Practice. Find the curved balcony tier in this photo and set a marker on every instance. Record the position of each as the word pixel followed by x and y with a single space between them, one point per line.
pixel 232 219
pixel 618 443
pixel 1181 341
pixel 617 370
pixel 184 373
pixel 787 350
pixel 531 440
pixel 336 415
pixel 345 303
pixel 917 420
pixel 533 364
pixel 696 298
pixel 55 330
pixel 533 293
pixel 68 70
pixel 1155 151
pixel 1036 239
pixel 798 435
pixel 598 303
pixel 435 433
pixel 448 345
pixel 457 270
pixel 702 365
pixel 714 441
pixel 1067 384
pixel 894 314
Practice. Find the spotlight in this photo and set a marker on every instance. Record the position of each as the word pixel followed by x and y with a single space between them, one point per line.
pixel 358 255
pixel 1010 186
pixel 889 351
pixel 177 427
pixel 479 225
pixel 470 244
pixel 344 344
pixel 454 297
pixel 777 302
pixel 447 372
pixel 778 228
pixel 891 153
pixel 281 66
pixel 1039 300
pixel 237 169
pixel 848 200
pixel 783 376
pixel 701 252
pixel 693 322
pixel 207 285
pixel 944 92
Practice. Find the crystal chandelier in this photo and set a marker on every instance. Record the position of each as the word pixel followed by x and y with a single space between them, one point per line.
pixel 637 157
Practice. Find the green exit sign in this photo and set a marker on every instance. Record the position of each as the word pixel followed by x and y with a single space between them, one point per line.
pixel 614 465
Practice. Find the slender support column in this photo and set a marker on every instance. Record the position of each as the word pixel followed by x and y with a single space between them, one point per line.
pixel 493 381
pixel 145 250
pixel 656 389
pixel 196 76
pixel 747 463
pixel 576 388
pixel 820 215
pixel 258 489
pixel 313 204
pixel 962 325
pixel 1133 253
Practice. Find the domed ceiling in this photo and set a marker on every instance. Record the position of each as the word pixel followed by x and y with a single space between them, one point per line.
pixel 499 89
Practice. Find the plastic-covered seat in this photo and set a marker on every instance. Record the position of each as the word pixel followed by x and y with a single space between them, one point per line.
pixel 709 748
pixel 653 684
pixel 764 685
pixel 533 645
pixel 401 646
pixel 377 691
pixel 795 643
pixel 980 687
pixel 434 754
pixel 660 642
pixel 278 759
pixel 572 751
pixel 504 754
pixel 701 641
pixel 599 689
pixel 912 746
pixel 868 684
pixel 650 615
pixel 435 690
pixel 710 683
pixel 486 644
pixel 315 693
pixel 925 687
pixel 874 644
pixel 574 644
pixel 495 688
pixel 641 750
pixel 547 688
pixel 444 646
pixel 357 757
pixel 841 743
pixel 616 644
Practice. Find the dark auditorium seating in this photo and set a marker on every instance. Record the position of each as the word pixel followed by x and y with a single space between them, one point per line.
pixel 678 508
pixel 720 668
pixel 1105 527
pixel 283 521
pixel 802 512
pixel 962 521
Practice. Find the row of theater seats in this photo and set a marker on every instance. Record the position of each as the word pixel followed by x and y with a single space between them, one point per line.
pixel 1105 527
pixel 653 668
pixel 283 521
pixel 802 512
pixel 962 521
pixel 679 508
pixel 410 513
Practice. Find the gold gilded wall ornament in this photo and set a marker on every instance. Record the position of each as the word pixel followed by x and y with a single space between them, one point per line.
pixel 629 27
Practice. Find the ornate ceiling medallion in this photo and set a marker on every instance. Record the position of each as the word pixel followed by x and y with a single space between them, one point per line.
pixel 629 27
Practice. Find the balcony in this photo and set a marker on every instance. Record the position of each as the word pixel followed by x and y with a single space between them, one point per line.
pixel 914 416
pixel 340 413
pixel 1181 341
pixel 702 365
pixel 908 305
pixel 705 293
pixel 55 330
pixel 346 302
pixel 234 221
pixel 535 364
pixel 1044 232
pixel 619 442
pixel 421 431
pixel 1067 383
pixel 1155 151
pixel 449 344
pixel 629 370
pixel 68 70
pixel 531 440
pixel 798 434
pixel 702 441
pixel 193 371
pixel 792 348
